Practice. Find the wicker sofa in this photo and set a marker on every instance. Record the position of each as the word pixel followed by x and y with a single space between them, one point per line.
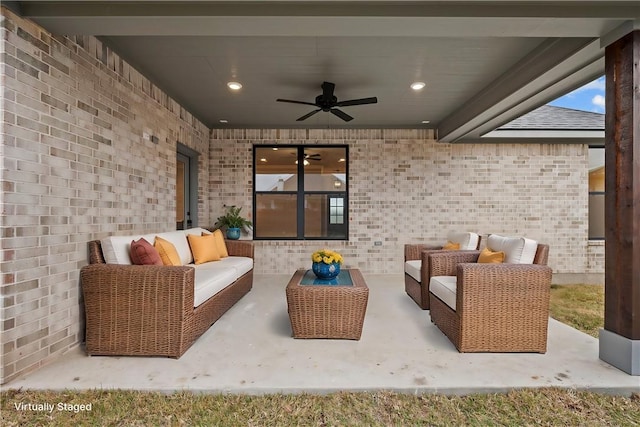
pixel 491 307
pixel 157 310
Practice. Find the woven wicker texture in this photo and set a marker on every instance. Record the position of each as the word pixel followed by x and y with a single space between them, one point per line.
pixel 140 310
pixel 419 291
pixel 318 311
pixel 499 307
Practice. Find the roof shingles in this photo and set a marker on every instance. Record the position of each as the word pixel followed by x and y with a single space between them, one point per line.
pixel 549 117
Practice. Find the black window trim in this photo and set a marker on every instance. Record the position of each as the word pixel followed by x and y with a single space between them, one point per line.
pixel 300 193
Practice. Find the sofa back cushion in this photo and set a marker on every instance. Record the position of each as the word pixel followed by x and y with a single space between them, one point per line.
pixel 116 249
pixel 517 250
pixel 467 241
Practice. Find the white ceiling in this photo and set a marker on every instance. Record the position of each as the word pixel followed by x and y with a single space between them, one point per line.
pixel 484 62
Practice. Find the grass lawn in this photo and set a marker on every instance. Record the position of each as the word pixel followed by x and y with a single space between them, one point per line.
pixel 581 306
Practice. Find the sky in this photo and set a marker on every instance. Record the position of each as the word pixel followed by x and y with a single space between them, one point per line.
pixel 589 97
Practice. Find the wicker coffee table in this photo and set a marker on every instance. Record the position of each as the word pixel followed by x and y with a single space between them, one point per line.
pixel 326 309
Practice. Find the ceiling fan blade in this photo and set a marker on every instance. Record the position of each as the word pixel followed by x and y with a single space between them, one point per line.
pixel 327 90
pixel 344 116
pixel 306 116
pixel 361 101
pixel 295 102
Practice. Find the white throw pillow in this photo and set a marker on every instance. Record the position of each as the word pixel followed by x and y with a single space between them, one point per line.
pixel 517 250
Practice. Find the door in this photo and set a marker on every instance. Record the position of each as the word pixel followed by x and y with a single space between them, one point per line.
pixel 336 224
pixel 183 192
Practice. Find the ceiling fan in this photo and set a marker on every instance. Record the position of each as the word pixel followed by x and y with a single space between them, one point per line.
pixel 317 157
pixel 328 102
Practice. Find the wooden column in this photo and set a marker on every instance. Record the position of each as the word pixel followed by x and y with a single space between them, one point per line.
pixel 620 340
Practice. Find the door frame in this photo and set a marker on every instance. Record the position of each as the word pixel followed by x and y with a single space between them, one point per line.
pixel 191 183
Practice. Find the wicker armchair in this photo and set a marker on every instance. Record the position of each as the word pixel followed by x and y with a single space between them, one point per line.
pixel 416 258
pixel 498 307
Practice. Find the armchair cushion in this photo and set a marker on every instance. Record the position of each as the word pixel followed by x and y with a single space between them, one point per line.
pixel 517 250
pixel 444 287
pixel 412 268
pixel 467 241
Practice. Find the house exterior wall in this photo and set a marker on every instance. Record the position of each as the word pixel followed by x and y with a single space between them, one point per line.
pixel 75 167
pixel 405 187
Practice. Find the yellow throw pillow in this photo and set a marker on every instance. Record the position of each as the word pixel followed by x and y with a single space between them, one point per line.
pixel 167 251
pixel 450 246
pixel 221 244
pixel 203 248
pixel 487 256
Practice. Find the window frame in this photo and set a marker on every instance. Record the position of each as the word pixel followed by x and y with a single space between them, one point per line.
pixel 592 237
pixel 300 192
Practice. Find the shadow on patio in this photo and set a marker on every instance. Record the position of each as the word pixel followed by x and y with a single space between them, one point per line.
pixel 250 350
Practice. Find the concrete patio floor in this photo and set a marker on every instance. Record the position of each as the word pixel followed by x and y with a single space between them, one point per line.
pixel 250 350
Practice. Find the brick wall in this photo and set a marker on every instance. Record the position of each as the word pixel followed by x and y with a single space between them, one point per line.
pixel 406 187
pixel 595 257
pixel 75 167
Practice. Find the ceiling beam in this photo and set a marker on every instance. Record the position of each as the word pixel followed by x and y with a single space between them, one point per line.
pixel 538 78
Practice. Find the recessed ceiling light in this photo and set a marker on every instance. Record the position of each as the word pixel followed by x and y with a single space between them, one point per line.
pixel 224 121
pixel 425 122
pixel 341 160
pixel 234 85
pixel 417 85
pixel 263 159
pixel 275 148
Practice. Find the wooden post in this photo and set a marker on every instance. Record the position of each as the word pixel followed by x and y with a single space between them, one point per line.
pixel 620 339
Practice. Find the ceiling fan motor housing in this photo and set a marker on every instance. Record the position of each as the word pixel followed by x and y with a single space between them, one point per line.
pixel 326 103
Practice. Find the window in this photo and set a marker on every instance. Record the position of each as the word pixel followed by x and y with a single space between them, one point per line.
pixel 300 192
pixel 596 193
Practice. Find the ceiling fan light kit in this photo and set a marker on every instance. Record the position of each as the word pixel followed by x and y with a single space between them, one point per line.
pixel 328 102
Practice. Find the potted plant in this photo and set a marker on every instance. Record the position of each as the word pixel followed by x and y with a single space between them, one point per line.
pixel 326 263
pixel 233 222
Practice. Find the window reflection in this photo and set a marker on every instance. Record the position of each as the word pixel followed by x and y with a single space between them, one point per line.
pixel 300 192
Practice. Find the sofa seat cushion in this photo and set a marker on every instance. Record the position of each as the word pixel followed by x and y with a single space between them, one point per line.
pixel 211 280
pixel 242 265
pixel 412 268
pixel 517 250
pixel 444 287
pixel 212 277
